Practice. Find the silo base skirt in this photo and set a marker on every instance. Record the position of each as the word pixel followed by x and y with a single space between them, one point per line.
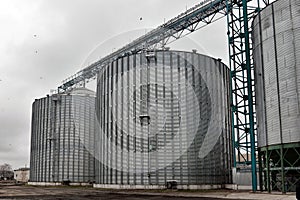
pixel 280 167
pixel 56 184
pixel 157 187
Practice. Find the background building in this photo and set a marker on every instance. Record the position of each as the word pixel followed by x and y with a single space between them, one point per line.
pixel 163 116
pixel 62 139
pixel 22 175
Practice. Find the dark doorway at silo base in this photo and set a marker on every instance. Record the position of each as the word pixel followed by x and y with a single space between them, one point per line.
pixel 66 182
pixel 298 191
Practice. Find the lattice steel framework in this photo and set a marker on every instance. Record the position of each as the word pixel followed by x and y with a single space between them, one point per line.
pixel 279 167
pixel 187 22
pixel 240 16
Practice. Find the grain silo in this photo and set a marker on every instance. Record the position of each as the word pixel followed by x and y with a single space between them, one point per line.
pixel 163 117
pixel 62 138
pixel 276 36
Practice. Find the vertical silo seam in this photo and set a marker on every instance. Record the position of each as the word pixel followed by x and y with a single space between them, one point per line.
pixel 59 129
pixel 52 132
pixel 42 139
pixel 277 74
pixel 39 142
pixel 295 56
pixel 62 143
pixel 47 148
pixel 263 78
pixel 70 127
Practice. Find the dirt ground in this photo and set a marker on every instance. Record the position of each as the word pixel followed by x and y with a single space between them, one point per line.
pixel 79 193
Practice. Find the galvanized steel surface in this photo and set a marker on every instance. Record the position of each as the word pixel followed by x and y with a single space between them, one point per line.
pixel 62 138
pixel 163 116
pixel 277 56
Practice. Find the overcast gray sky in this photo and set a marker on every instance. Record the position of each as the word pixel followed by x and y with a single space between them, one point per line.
pixel 45 41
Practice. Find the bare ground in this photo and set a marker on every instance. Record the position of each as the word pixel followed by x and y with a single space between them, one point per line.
pixel 79 193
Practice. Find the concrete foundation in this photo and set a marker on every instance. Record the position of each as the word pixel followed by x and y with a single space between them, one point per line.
pixel 155 187
pixel 43 184
pixel 56 184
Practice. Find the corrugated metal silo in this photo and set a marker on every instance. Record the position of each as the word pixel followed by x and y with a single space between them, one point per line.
pixel 276 36
pixel 62 140
pixel 163 116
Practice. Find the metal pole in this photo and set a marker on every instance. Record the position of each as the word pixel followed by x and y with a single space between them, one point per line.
pixel 268 170
pixel 250 98
pixel 231 88
pixel 260 170
pixel 282 170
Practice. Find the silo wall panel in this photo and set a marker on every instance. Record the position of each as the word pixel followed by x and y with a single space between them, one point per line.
pixel 62 144
pixel 171 89
pixel 276 57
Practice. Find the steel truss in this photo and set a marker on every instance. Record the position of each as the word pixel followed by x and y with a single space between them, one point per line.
pixel 239 19
pixel 193 19
pixel 280 167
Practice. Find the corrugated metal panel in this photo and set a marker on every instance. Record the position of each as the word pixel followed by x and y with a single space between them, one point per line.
pixel 62 138
pixel 174 90
pixel 278 102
